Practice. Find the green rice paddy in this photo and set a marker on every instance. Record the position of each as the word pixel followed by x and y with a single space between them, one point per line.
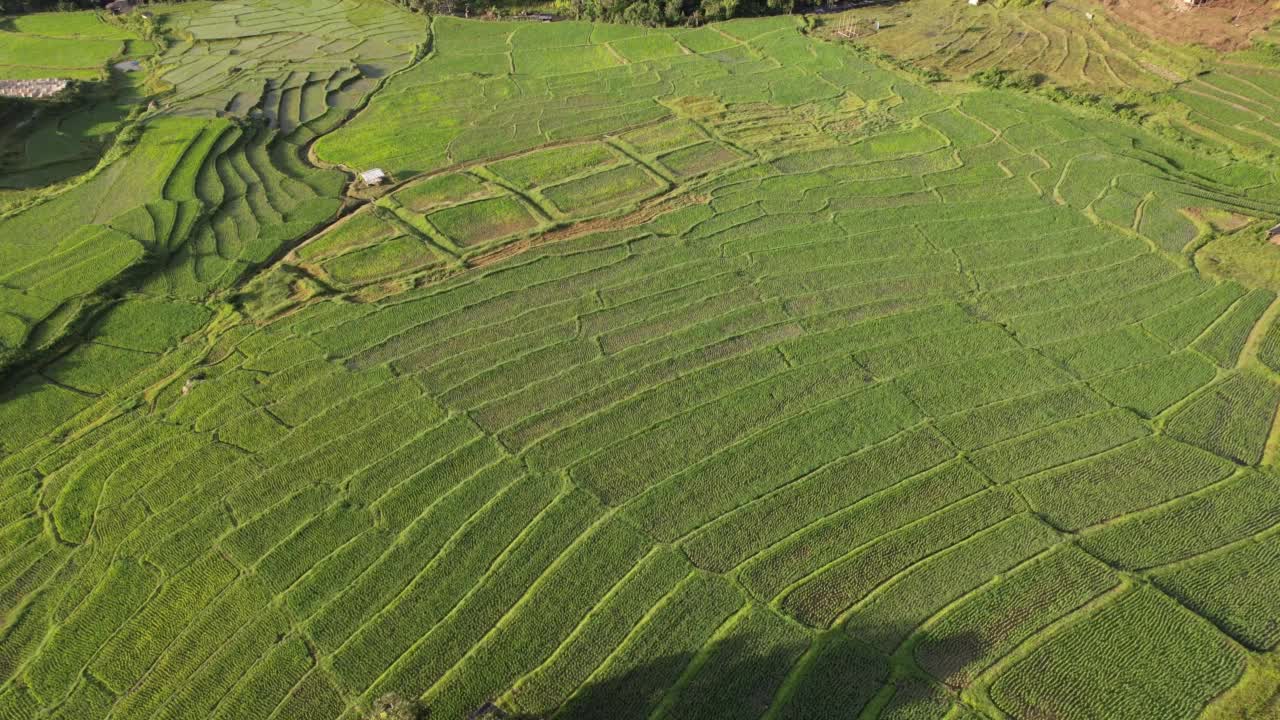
pixel 723 372
pixel 75 45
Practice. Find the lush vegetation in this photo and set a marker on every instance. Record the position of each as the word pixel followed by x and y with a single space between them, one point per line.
pixel 719 372
pixel 44 141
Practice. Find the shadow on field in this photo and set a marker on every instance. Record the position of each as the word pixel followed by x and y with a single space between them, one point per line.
pixel 838 677
pixel 43 142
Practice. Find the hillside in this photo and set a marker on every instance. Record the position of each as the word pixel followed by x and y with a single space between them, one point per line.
pixel 739 371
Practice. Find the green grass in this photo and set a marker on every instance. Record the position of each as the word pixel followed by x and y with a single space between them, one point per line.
pixel 563 60
pixel 762 380
pixel 1007 611
pixel 395 256
pixel 663 137
pixel 365 227
pixel 151 325
pixel 439 190
pixel 546 167
pixel 1232 417
pixel 98 368
pixel 1120 643
pixel 1150 389
pixel 1227 589
pixel 50 141
pixel 699 159
pixel 1085 494
pixel 603 191
pixel 482 221
pixel 51 44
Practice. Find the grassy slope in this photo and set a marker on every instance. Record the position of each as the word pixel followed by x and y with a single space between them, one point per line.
pixel 49 141
pixel 74 44
pixel 1188 91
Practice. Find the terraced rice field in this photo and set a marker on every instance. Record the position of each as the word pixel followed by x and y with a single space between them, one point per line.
pixel 707 373
pixel 1236 102
pixel 204 199
pixel 1222 99
pixel 64 45
pixel 1075 43
pixel 45 142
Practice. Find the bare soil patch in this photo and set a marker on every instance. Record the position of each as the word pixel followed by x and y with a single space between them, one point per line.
pixel 1220 24
pixel 1221 220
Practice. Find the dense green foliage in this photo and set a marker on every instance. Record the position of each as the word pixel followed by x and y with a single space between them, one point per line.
pixel 717 372
pixel 674 12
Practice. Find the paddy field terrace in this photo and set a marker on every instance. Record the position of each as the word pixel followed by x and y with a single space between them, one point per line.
pixel 728 371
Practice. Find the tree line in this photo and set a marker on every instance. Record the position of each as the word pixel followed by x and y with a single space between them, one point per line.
pixel 630 12
pixel 19 7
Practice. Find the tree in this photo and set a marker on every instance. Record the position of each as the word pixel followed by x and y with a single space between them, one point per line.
pixel 570 7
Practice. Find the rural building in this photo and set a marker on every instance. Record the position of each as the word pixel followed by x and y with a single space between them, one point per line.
pixel 41 88
pixel 1274 234
pixel 373 176
pixel 119 7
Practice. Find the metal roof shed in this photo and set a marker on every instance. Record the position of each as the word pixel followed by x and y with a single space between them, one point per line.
pixel 373 176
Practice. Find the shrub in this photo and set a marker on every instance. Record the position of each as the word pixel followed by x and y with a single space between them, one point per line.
pixel 391 706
